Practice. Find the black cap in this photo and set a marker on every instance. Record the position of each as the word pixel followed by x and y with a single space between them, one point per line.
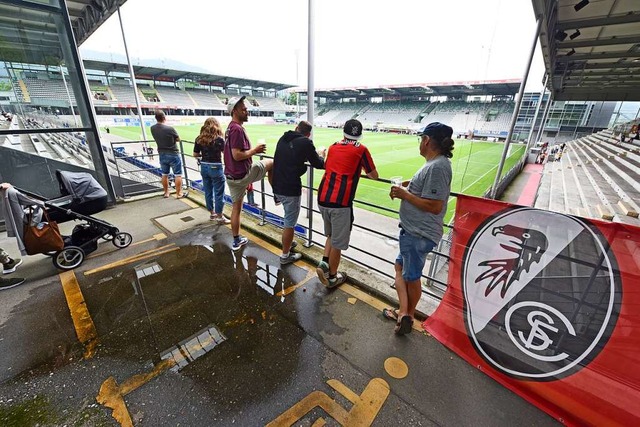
pixel 437 130
pixel 352 130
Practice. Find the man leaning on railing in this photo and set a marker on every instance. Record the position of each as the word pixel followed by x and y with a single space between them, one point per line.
pixel 345 159
pixel 422 209
pixel 293 150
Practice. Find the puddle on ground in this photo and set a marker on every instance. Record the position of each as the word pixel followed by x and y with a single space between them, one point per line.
pixel 215 312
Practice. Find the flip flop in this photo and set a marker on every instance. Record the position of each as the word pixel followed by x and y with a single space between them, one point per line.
pixel 183 195
pixel 166 196
pixel 390 314
pixel 404 325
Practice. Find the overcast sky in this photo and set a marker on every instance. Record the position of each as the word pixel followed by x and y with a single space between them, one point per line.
pixel 358 42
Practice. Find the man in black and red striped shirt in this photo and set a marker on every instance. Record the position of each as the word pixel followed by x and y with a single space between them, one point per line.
pixel 343 165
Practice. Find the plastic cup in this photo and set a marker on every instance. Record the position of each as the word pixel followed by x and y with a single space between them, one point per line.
pixel 396 180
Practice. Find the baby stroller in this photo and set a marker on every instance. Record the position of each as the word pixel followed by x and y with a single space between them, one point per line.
pixel 81 197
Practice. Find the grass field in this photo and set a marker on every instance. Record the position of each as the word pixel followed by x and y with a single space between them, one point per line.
pixel 474 163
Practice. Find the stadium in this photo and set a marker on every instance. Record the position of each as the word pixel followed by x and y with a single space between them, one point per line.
pixel 563 162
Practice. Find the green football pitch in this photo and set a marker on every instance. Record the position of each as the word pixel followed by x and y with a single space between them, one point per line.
pixel 474 163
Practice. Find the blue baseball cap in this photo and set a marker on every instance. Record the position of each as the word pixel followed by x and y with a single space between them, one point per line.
pixel 437 130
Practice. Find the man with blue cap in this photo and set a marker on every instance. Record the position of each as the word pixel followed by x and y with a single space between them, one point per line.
pixel 422 208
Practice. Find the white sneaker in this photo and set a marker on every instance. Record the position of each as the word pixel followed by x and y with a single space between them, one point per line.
pixel 291 258
pixel 222 220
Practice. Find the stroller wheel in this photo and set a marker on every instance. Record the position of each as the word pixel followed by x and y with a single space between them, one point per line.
pixel 122 240
pixel 68 258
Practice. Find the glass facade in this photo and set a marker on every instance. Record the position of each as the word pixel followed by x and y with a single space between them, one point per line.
pixel 569 117
pixel 44 99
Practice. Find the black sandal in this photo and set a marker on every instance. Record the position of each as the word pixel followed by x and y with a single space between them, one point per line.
pixel 390 314
pixel 404 325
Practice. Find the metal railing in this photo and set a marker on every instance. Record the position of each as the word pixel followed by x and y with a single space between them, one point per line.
pixel 439 258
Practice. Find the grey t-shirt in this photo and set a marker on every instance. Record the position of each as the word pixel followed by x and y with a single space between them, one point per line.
pixel 165 136
pixel 432 181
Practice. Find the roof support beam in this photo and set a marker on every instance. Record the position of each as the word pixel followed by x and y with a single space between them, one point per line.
pixel 611 41
pixel 629 18
pixel 611 65
pixel 600 73
pixel 604 55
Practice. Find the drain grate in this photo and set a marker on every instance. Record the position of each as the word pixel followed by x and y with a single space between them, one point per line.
pixel 187 218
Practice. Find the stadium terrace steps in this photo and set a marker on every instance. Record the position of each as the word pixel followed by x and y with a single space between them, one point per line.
pixel 601 173
pixel 266 103
pixel 175 97
pixel 48 89
pixel 579 177
pixel 206 99
pixel 124 94
pixel 24 91
pixel 594 194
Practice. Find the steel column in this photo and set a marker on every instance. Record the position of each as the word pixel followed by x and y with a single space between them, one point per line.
pixel 516 109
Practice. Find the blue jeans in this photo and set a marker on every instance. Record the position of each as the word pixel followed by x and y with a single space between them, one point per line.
pixel 213 183
pixel 413 254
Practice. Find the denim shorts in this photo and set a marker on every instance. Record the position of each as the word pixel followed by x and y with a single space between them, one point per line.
pixel 170 161
pixel 291 205
pixel 413 255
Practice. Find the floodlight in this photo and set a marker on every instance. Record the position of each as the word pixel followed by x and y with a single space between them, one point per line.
pixel 571 52
pixel 580 5
pixel 561 35
pixel 574 35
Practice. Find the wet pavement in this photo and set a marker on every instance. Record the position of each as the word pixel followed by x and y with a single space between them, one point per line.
pixel 183 331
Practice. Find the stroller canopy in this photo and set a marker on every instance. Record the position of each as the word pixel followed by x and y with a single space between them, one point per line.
pixel 82 186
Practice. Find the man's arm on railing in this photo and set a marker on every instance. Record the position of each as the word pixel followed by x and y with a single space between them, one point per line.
pixel 314 158
pixel 373 174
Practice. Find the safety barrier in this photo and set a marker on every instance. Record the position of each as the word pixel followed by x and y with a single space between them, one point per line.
pixel 309 227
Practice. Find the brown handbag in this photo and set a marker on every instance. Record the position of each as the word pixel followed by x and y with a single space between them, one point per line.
pixel 43 237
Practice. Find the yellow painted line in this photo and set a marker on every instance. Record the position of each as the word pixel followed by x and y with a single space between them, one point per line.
pixel 266 245
pixel 349 289
pixel 160 236
pixel 372 301
pixel 109 396
pixel 141 379
pixel 364 411
pixel 112 395
pixel 85 329
pixel 310 275
pixel 189 203
pixel 135 258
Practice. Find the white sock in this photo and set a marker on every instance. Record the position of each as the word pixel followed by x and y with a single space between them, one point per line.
pixel 284 255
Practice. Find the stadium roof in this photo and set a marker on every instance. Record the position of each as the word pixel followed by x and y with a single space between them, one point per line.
pixel 465 88
pixel 171 75
pixel 591 48
pixel 29 32
pixel 87 15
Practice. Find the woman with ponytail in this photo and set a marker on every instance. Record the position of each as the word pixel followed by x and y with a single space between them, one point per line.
pixel 208 150
pixel 423 204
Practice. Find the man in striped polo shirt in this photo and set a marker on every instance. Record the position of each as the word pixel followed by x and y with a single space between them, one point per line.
pixel 343 165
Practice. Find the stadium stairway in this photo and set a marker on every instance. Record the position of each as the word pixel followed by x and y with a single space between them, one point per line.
pixel 597 177
pixel 608 181
pixel 25 92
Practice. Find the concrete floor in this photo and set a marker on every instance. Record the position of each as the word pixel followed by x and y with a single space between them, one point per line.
pixel 179 330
